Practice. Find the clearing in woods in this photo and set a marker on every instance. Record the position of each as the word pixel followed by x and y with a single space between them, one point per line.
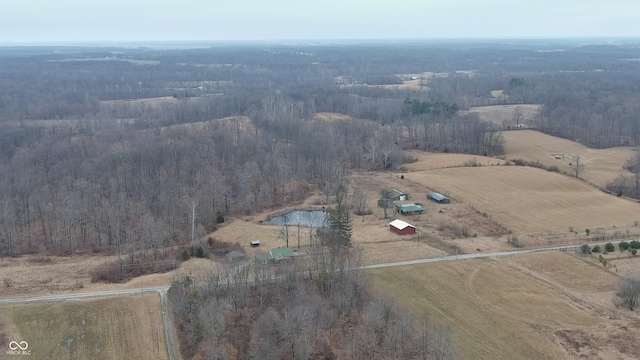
pixel 504 311
pixel 123 327
pixel 503 114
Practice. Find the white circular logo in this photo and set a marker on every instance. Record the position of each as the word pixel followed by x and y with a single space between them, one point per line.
pixel 22 345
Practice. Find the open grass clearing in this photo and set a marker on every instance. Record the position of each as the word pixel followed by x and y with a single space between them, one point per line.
pixel 241 124
pixel 329 116
pixel 153 101
pixel 531 201
pixel 601 166
pixel 431 161
pixel 124 327
pixel 503 114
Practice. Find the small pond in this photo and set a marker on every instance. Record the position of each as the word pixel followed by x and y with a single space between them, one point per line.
pixel 309 218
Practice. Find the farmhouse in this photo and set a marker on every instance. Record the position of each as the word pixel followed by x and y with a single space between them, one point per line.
pixel 439 198
pixel 402 228
pixel 410 208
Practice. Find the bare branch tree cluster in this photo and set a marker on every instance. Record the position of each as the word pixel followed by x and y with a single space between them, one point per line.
pixel 318 308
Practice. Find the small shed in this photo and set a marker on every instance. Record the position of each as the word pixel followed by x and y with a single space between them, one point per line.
pixel 439 198
pixel 281 254
pixel 402 228
pixel 397 195
pixel 410 208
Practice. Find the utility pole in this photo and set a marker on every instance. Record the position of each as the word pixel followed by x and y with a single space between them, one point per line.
pixel 194 204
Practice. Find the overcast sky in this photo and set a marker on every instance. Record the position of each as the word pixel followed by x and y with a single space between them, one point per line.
pixel 157 20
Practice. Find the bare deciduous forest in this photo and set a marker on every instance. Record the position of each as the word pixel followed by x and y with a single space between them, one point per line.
pixel 132 150
pixel 84 165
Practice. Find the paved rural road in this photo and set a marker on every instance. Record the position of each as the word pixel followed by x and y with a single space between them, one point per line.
pixel 476 256
pixel 162 290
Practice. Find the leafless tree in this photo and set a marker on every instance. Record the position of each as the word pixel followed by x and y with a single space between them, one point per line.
pixel 629 290
pixel 385 201
pixel 284 232
pixel 193 203
pixel 577 167
pixel 517 116
pixel 359 201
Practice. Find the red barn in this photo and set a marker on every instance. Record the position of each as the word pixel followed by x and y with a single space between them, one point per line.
pixel 402 228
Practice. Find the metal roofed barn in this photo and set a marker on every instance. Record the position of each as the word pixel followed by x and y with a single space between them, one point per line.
pixel 439 198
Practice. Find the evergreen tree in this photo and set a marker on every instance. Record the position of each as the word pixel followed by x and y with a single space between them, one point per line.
pixel 340 221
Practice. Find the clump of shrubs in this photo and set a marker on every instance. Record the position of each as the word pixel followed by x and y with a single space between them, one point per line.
pixel 513 240
pixel 535 164
pixel 585 249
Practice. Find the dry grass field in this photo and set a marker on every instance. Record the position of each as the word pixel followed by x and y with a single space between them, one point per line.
pixel 502 312
pixel 503 114
pixel 242 124
pixel 156 101
pixel 601 166
pixel 531 201
pixel 329 116
pixel 124 327
pixel 31 275
pixel 430 161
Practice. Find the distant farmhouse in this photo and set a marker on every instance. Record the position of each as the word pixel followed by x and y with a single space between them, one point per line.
pixel 402 228
pixel 439 198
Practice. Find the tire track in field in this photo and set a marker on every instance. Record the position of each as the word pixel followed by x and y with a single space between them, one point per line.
pixel 495 308
pixel 562 291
